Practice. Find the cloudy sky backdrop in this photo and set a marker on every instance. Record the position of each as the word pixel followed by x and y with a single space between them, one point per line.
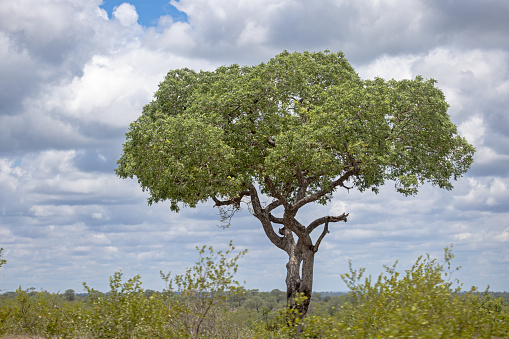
pixel 75 73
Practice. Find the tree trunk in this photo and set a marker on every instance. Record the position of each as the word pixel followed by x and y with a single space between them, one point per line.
pixel 301 254
pixel 299 277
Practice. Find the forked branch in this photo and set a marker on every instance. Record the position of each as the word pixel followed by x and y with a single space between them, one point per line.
pixel 264 216
pixel 339 182
pixel 235 201
pixel 343 217
pixel 325 231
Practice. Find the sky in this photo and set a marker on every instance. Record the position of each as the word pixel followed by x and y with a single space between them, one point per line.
pixel 75 73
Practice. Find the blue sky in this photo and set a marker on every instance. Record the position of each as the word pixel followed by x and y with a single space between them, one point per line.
pixel 75 73
pixel 149 12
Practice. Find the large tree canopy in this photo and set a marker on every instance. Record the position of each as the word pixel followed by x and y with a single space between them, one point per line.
pixel 297 128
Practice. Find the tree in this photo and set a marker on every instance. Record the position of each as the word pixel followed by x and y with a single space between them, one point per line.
pixel 69 295
pixel 421 302
pixel 203 288
pixel 2 260
pixel 287 133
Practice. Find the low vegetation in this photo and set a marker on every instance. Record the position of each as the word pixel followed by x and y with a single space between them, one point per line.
pixel 206 302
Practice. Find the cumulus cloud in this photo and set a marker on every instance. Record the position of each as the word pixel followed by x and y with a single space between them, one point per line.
pixel 74 77
pixel 126 14
pixel 485 194
pixel 473 130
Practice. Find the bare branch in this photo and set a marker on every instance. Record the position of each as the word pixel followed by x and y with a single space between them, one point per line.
pixel 273 205
pixel 264 217
pixel 314 224
pixel 319 241
pixel 304 184
pixel 226 213
pixel 235 201
pixel 275 193
pixel 339 182
pixel 275 219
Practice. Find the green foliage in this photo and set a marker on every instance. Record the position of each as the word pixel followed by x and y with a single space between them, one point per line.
pixel 191 311
pixel 206 302
pixel 202 289
pixel 123 312
pixel 2 260
pixel 421 303
pixel 213 134
pixel 69 295
pixel 194 310
pixel 38 313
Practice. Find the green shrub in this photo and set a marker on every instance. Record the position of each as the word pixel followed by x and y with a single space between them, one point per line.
pixel 206 302
pixel 123 312
pixel 420 303
pixel 201 291
pixel 191 311
pixel 38 313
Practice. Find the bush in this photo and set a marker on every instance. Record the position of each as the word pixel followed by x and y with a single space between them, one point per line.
pixel 419 303
pixel 38 313
pixel 202 290
pixel 191 311
pixel 422 302
pixel 123 312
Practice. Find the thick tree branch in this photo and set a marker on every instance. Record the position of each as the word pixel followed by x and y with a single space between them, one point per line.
pixel 304 184
pixel 264 217
pixel 299 226
pixel 263 148
pixel 288 190
pixel 300 176
pixel 339 182
pixel 235 201
pixel 314 224
pixel 319 241
pixel 271 141
pixel 273 205
pixel 293 224
pixel 275 193
pixel 275 219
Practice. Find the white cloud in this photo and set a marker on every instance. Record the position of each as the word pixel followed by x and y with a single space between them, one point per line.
pixel 111 86
pixel 463 236
pixel 339 207
pixel 175 36
pixel 389 67
pixel 126 14
pixel 102 13
pixel 252 34
pixel 485 193
pixel 74 79
pixel 10 175
pixel 473 130
pixel 504 236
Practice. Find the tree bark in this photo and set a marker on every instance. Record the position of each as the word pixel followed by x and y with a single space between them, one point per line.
pixel 299 277
pixel 299 269
pixel 301 253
